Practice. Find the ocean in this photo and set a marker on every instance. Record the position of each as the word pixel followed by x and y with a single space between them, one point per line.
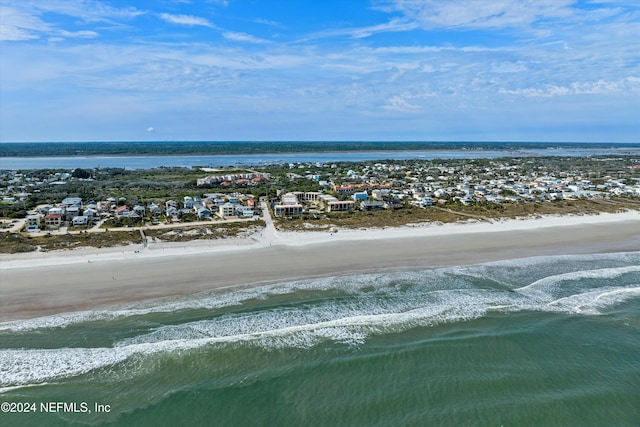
pixel 545 341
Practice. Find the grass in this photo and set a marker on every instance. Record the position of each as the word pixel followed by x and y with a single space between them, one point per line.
pixel 205 232
pixel 23 242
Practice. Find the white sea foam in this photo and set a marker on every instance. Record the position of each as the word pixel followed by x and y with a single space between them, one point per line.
pixel 603 273
pixel 297 327
pixel 610 298
pixel 587 302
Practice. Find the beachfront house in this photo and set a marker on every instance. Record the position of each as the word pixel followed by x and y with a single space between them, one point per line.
pixel 390 204
pixel 56 211
pixel 188 202
pixel 80 221
pixel 71 212
pixel 289 205
pixel 340 206
pixel 227 209
pixel 34 221
pixel 173 212
pixel 140 210
pixel 53 220
pixel 122 212
pixel 244 211
pixel 203 212
pixel 371 205
pixel 287 210
pixel 154 209
pixel 133 215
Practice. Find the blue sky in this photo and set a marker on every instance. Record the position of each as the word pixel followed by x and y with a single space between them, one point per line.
pixel 433 70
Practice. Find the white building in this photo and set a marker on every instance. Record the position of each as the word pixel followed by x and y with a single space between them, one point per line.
pixel 289 205
pixel 227 209
pixel 79 221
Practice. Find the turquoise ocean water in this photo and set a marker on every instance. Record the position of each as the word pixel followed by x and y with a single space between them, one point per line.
pixel 530 342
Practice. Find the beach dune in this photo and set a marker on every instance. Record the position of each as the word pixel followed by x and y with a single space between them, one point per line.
pixel 54 283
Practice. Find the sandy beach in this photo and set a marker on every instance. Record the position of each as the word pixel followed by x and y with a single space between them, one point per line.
pixel 46 283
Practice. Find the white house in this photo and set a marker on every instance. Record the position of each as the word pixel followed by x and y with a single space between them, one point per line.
pixel 122 211
pixel 173 212
pixel 72 201
pixel 227 209
pixel 80 221
pixel 56 211
pixel 244 211
pixel 71 212
pixel 154 209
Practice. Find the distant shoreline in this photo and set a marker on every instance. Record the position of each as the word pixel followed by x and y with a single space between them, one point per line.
pixel 222 148
pixel 43 284
pixel 155 159
pixel 426 150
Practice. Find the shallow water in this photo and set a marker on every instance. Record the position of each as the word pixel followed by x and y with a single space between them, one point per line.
pixel 538 341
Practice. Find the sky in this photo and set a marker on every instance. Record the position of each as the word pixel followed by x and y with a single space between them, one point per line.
pixel 391 70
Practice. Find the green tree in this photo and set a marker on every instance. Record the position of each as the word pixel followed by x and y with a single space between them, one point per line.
pixel 81 173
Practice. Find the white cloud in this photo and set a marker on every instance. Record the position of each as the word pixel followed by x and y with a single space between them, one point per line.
pixel 601 87
pixel 86 10
pixel 481 14
pixel 25 20
pixel 508 67
pixel 150 129
pixel 395 25
pixel 186 20
pixel 79 34
pixel 268 22
pixel 414 50
pixel 20 25
pixel 243 37
pixel 396 103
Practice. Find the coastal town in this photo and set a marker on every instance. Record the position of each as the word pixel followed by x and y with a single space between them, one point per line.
pixel 80 200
